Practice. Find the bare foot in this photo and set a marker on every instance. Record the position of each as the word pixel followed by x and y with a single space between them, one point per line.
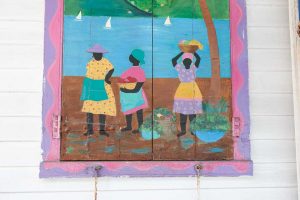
pixel 104 133
pixel 135 131
pixel 88 133
pixel 126 129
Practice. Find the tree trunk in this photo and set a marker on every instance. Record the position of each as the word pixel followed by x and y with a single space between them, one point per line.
pixel 215 82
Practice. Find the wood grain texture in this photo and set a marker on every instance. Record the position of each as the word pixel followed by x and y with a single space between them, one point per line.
pixel 28 153
pixel 271 181
pixel 123 143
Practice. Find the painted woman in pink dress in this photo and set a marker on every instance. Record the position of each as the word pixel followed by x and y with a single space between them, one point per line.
pixel 134 100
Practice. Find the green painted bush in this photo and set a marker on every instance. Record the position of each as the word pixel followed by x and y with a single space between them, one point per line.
pixel 213 118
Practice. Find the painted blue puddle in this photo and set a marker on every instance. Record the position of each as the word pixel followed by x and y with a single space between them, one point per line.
pixel 141 151
pixel 186 143
pixel 84 142
pixel 216 150
pixel 109 149
pixel 73 135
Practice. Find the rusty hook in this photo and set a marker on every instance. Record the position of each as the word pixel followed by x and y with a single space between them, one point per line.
pixel 198 168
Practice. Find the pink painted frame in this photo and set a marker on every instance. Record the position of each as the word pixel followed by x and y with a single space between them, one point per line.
pixel 53 167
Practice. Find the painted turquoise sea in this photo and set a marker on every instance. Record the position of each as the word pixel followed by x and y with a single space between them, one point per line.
pixel 127 34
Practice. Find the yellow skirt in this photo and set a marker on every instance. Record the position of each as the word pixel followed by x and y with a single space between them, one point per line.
pixel 106 107
pixel 188 91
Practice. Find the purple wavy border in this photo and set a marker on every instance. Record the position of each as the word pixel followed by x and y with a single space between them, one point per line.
pixel 229 169
pixel 49 57
pixel 243 95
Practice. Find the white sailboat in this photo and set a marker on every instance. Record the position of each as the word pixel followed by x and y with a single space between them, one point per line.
pixel 168 21
pixel 108 23
pixel 79 16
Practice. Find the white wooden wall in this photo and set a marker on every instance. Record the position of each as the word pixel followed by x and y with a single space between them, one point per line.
pixel 272 134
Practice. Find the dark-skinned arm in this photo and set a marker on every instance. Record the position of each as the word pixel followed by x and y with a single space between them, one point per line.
pixel 137 88
pixel 108 76
pixel 198 59
pixel 174 60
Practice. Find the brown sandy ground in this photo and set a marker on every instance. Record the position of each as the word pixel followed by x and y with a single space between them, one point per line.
pixel 129 146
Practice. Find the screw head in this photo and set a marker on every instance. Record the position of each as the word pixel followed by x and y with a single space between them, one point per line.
pixel 98 168
pixel 198 167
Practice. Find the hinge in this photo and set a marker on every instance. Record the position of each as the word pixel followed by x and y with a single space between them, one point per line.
pixel 55 126
pixel 236 126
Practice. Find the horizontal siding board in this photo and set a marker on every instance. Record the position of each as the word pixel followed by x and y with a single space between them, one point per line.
pixel 20 104
pixel 269 60
pixel 235 194
pixel 268 37
pixel 256 15
pixel 269 151
pixel 267 2
pixel 271 82
pixel 21 32
pixel 21 80
pixel 272 127
pixel 206 194
pixel 263 177
pixel 21 10
pixel 21 129
pixel 271 104
pixel 16 56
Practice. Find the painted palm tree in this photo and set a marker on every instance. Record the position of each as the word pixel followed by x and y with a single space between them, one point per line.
pixel 215 83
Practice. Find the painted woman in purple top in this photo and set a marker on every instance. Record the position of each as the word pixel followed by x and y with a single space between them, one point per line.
pixel 188 97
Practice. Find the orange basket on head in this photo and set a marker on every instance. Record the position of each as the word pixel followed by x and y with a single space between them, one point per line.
pixel 187 48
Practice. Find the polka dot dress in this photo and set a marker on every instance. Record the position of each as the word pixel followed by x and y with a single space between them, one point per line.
pixel 97 70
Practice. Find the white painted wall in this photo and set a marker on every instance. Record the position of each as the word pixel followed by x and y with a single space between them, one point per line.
pixel 272 135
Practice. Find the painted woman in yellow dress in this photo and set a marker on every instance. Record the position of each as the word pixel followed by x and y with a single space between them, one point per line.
pixel 97 92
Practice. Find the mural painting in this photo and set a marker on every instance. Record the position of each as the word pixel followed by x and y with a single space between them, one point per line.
pixel 146 80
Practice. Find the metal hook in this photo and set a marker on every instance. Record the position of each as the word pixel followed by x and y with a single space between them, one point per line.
pixel 98 169
pixel 198 168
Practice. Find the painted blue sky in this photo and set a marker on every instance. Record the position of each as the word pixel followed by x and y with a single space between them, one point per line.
pixel 127 34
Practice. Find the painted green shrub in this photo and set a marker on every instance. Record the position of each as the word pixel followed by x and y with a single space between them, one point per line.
pixel 163 113
pixel 158 114
pixel 161 8
pixel 212 119
pixel 120 8
pixel 182 8
pixel 148 123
